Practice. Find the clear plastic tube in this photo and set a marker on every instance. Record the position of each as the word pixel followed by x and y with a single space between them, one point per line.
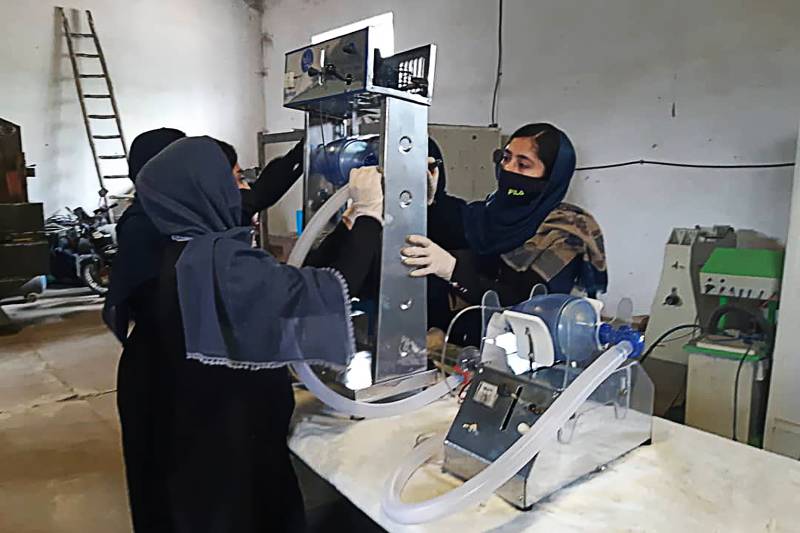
pixel 371 410
pixel 316 225
pixel 481 487
pixel 306 374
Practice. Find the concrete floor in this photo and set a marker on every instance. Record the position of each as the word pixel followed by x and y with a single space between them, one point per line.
pixel 61 465
pixel 60 460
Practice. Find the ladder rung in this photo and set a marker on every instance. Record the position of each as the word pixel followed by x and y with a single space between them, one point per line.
pixel 106 136
pixel 81 35
pixel 118 156
pixel 102 117
pixel 91 76
pixel 97 96
pixel 115 177
pixel 96 56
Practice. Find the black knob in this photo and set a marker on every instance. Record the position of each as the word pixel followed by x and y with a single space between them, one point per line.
pixel 535 409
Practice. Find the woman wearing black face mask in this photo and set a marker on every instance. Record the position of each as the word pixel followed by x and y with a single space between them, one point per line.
pixel 523 234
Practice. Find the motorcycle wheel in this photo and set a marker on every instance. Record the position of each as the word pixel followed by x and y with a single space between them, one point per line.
pixel 96 276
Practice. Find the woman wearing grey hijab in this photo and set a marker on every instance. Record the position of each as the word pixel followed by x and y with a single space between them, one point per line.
pixel 229 319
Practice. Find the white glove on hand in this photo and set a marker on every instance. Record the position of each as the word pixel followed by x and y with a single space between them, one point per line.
pixel 429 256
pixel 366 195
pixel 433 180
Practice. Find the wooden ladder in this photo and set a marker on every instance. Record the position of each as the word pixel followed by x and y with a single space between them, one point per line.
pixel 91 119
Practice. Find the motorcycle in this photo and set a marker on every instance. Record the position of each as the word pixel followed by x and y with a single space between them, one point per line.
pixel 82 248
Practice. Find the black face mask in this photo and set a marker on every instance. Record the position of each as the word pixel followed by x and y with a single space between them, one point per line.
pixel 518 189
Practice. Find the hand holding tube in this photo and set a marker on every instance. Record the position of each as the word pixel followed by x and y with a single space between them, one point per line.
pixel 366 195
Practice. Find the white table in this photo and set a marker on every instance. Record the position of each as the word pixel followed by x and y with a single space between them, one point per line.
pixel 687 480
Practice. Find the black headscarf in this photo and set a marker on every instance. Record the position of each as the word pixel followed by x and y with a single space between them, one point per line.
pixel 147 145
pixel 229 151
pixel 240 307
pixel 140 245
pixel 445 226
pixel 500 224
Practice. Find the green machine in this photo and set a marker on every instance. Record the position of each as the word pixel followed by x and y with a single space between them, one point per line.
pixel 728 368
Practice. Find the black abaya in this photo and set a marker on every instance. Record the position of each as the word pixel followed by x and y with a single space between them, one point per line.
pixel 205 446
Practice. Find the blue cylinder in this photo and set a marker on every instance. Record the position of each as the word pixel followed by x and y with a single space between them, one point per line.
pixel 573 323
pixel 336 159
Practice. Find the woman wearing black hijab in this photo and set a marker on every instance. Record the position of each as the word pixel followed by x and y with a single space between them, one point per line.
pixel 140 244
pixel 520 236
pixel 130 299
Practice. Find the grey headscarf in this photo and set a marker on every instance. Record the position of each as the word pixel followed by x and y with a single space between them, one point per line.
pixel 240 306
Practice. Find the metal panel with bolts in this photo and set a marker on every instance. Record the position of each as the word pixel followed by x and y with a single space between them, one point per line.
pixel 346 88
pixel 402 319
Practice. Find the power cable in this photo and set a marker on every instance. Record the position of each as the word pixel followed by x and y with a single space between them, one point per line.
pixel 499 72
pixel 663 336
pixel 736 390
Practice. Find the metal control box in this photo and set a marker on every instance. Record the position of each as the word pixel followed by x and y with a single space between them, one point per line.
pixel 346 75
pixel 305 79
pixel 748 273
pixel 499 407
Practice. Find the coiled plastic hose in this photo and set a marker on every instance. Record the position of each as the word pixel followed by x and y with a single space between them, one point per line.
pixel 304 371
pixel 481 487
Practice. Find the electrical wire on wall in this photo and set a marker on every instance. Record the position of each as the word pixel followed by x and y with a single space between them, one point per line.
pixel 685 165
pixel 493 123
pixel 499 71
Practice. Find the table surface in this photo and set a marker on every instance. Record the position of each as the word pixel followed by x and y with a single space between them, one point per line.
pixel 687 480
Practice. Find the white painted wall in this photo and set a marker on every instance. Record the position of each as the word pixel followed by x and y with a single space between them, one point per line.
pixel 188 64
pixel 782 430
pixel 608 72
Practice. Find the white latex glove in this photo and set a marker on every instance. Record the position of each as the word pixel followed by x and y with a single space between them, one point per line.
pixel 429 257
pixel 433 180
pixel 366 195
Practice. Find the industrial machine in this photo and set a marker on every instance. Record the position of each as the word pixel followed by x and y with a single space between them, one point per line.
pixel 24 253
pixel 341 84
pixel 729 364
pixel 556 395
pixel 689 292
pixel 530 356
pixel 679 298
